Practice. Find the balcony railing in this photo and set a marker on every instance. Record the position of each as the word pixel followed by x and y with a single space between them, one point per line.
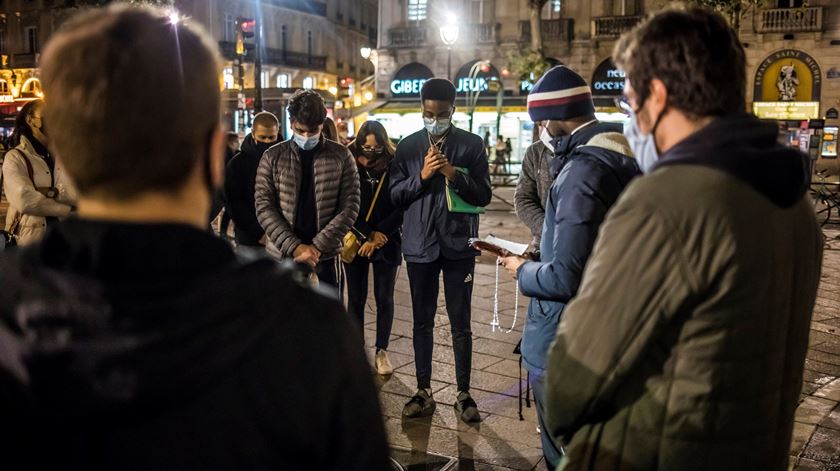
pixel 789 20
pixel 276 56
pixel 562 29
pixel 409 36
pixel 481 33
pixel 613 26
pixel 24 61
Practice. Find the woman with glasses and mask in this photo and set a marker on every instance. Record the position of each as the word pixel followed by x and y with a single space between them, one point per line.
pixel 378 229
pixel 38 192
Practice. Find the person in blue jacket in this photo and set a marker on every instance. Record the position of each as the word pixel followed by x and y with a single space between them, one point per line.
pixel 436 240
pixel 593 163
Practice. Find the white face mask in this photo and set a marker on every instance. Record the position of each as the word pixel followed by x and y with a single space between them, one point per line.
pixel 438 126
pixel 643 145
pixel 307 143
pixel 546 138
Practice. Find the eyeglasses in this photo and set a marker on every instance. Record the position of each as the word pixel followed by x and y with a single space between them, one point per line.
pixel 623 104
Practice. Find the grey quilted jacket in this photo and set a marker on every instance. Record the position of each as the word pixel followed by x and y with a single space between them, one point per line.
pixel 336 197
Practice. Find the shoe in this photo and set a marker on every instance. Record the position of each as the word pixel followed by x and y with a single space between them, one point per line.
pixel 467 408
pixel 383 364
pixel 421 405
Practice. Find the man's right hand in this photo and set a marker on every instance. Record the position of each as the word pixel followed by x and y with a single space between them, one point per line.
pixel 432 163
pixel 307 254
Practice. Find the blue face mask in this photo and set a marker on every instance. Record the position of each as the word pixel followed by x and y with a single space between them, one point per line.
pixel 643 145
pixel 438 126
pixel 307 143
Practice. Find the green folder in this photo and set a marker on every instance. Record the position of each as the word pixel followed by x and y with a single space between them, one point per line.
pixel 456 204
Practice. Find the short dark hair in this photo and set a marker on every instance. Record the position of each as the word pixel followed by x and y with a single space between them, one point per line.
pixel 266 120
pixel 133 99
pixel 307 107
pixel 695 53
pixel 438 89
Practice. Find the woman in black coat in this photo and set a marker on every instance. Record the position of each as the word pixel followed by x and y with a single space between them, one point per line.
pixel 379 234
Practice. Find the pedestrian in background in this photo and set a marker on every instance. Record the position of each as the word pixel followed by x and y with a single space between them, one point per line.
pixel 429 163
pixel 131 338
pixel 595 165
pixel 501 155
pixel 685 346
pixel 535 179
pixel 330 130
pixel 37 188
pixel 378 228
pixel 307 192
pixel 240 180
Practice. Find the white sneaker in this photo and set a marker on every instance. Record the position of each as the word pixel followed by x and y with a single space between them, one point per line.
pixel 383 364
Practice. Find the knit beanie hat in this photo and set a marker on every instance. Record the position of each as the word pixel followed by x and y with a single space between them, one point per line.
pixel 560 94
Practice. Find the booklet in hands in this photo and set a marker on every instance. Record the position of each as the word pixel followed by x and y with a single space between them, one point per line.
pixel 499 247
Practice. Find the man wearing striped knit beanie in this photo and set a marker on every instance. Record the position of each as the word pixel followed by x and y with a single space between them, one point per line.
pixel 593 163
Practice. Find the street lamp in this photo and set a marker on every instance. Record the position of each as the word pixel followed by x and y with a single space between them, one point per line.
pixel 365 51
pixel 449 35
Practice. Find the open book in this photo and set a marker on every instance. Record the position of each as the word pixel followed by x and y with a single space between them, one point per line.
pixel 500 247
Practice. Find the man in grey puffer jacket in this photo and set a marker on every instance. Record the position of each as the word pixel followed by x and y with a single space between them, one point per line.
pixel 533 185
pixel 307 191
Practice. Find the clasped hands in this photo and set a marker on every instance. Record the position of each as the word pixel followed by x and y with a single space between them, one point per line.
pixel 436 162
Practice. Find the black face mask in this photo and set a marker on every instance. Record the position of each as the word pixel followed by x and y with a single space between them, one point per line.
pixel 373 154
pixel 263 146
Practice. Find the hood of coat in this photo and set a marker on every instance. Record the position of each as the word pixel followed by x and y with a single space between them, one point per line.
pixel 103 317
pixel 748 149
pixel 602 141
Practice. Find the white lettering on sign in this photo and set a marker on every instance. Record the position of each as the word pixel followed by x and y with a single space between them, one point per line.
pixel 472 85
pixel 615 73
pixel 407 87
pixel 526 86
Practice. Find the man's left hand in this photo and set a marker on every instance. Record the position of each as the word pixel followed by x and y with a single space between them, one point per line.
pixel 511 264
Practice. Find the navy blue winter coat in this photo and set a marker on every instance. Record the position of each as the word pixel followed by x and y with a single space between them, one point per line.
pixel 595 165
pixel 429 230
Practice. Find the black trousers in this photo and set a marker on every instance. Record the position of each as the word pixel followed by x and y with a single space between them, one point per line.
pixel 457 288
pixel 384 280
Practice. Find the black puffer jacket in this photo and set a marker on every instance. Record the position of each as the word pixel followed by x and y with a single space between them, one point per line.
pixel 138 347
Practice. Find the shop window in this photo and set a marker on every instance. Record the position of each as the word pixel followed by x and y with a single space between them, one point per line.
pixel 309 83
pixel 228 78
pixel 417 10
pixel 282 80
pixel 264 77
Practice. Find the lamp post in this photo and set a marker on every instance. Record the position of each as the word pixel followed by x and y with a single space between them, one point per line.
pixel 449 35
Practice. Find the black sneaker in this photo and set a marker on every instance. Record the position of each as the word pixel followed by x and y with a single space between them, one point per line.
pixel 421 405
pixel 467 408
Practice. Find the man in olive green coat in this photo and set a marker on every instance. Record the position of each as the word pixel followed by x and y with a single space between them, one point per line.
pixel 686 344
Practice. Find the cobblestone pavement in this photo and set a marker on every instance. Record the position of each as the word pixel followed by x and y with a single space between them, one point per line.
pixel 501 441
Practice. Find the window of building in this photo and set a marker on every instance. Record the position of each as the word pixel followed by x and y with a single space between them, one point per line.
pixel 790 3
pixel 264 78
pixel 309 83
pixel 30 39
pixel 282 80
pixel 3 41
pixel 229 28
pixel 417 10
pixel 228 78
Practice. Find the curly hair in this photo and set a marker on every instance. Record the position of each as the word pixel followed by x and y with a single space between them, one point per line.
pixel 695 53
pixel 307 107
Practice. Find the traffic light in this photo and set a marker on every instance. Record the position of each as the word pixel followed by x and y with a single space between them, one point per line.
pixel 246 27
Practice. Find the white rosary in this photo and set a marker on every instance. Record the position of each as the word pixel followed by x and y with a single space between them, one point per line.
pixel 495 324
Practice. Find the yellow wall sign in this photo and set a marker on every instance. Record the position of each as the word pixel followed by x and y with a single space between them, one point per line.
pixel 787 110
pixel 788 75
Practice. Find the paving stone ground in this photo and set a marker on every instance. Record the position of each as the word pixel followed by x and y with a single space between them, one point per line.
pixel 503 442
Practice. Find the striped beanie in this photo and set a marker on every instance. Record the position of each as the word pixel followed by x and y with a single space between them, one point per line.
pixel 560 94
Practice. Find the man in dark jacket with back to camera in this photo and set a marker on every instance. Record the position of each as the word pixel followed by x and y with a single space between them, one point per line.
pixel 684 348
pixel 241 175
pixel 595 164
pixel 131 338
pixel 436 240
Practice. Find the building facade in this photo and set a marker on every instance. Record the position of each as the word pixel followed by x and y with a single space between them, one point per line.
pixel 305 44
pixel 582 35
